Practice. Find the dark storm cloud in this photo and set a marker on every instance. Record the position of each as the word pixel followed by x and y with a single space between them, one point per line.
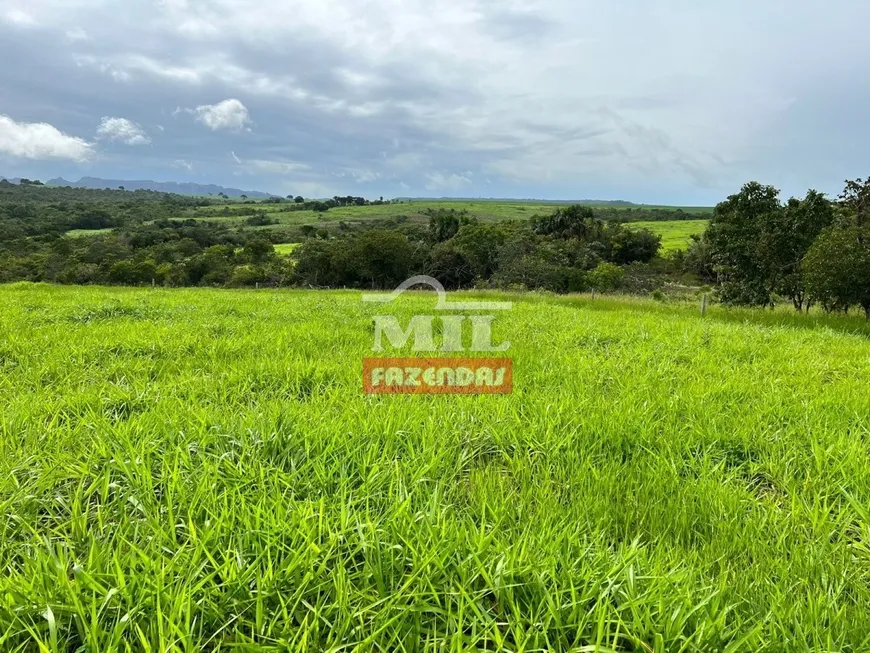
pixel 546 97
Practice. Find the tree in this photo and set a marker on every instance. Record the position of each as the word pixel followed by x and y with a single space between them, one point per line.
pixel 733 236
pixel 258 250
pixel 445 223
pixel 837 269
pixel 383 258
pixel 244 197
pixel 322 263
pixel 479 245
pixel 856 197
pixel 299 199
pixel 786 237
pixel 569 222
pixel 606 277
pixel 634 245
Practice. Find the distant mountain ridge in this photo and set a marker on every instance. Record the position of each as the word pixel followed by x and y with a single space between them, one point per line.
pixel 180 188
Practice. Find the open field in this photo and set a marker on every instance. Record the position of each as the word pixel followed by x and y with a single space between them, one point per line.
pixel 79 233
pixel 199 470
pixel 676 234
pixel 286 248
pixel 483 211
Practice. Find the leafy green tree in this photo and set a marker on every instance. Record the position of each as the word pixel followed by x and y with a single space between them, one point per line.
pixel 299 199
pixel 449 266
pixel 445 223
pixel 606 277
pixel 733 237
pixel 569 222
pixel 698 259
pixel 837 269
pixel 856 198
pixel 321 263
pixel 382 259
pixel 786 237
pixel 633 245
pixel 479 245
pixel 258 250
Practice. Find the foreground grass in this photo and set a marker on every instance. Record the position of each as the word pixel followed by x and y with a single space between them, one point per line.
pixel 199 470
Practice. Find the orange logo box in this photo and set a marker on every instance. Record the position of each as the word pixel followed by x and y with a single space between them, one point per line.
pixel 421 376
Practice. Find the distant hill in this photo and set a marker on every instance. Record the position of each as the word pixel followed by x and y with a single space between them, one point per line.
pixel 159 186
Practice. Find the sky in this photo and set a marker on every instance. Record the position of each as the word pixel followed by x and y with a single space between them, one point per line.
pixel 666 102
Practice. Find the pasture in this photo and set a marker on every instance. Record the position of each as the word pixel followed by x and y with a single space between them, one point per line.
pixel 412 210
pixel 186 470
pixel 676 234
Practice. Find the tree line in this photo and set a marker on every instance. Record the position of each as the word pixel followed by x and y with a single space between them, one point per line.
pixel 569 250
pixel 809 251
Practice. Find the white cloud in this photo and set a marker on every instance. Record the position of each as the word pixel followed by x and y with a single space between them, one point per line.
pixel 262 166
pixel 183 165
pixel 268 167
pixel 229 114
pixel 123 131
pixel 447 181
pixel 18 17
pixel 39 140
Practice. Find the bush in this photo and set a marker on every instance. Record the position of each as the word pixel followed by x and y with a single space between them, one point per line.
pixel 606 277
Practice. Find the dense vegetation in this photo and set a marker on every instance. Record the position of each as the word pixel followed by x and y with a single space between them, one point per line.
pixel 194 470
pixel 570 249
pixel 756 251
pixel 807 251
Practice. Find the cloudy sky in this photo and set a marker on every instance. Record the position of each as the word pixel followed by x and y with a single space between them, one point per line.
pixel 673 101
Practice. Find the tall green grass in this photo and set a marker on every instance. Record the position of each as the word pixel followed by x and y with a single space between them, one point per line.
pixel 187 470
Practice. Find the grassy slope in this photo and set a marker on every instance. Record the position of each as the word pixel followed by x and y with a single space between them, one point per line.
pixel 484 211
pixel 676 234
pixel 192 467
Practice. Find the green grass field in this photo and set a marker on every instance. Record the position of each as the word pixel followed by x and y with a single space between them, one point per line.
pixel 79 233
pixel 286 248
pixel 414 211
pixel 188 470
pixel 676 234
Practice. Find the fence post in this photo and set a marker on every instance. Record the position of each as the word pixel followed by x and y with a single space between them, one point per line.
pixel 593 294
pixel 258 285
pixel 704 305
pixel 152 283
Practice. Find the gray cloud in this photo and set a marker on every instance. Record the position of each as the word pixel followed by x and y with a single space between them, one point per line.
pixel 663 103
